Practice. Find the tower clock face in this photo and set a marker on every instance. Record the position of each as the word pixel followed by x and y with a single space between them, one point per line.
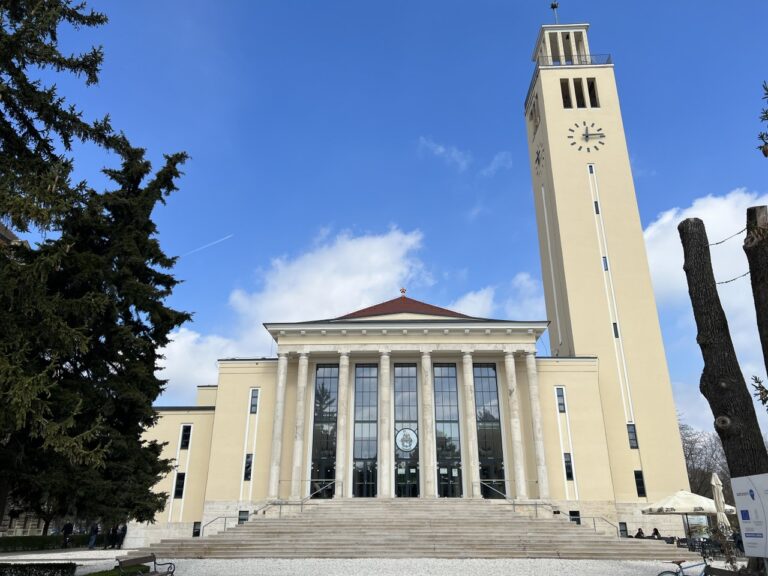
pixel 586 137
pixel 538 161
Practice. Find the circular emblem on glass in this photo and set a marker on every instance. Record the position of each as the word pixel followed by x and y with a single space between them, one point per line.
pixel 406 440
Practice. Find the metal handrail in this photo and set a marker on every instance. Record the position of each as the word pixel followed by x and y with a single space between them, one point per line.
pixel 202 529
pixel 514 503
pixel 326 485
pixel 594 524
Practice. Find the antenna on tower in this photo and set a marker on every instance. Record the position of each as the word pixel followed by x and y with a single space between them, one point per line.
pixel 554 6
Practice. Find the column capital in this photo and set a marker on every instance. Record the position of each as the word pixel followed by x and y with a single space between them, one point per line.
pixel 384 352
pixel 281 355
pixel 426 353
pixel 344 355
pixel 303 355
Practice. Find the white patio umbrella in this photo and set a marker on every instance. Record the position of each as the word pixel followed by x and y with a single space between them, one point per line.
pixel 717 493
pixel 686 503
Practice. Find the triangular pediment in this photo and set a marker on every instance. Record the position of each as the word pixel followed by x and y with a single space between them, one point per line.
pixel 402 308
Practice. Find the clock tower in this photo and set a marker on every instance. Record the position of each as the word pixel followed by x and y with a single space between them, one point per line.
pixel 597 285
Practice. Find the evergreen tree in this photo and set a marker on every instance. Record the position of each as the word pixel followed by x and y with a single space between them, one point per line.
pixel 82 315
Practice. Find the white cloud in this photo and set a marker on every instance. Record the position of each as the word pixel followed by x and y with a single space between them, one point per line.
pixel 526 301
pixel 451 155
pixel 334 277
pixel 501 161
pixel 722 216
pixel 479 303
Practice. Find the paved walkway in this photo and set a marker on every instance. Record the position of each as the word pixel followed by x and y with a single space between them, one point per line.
pixel 95 560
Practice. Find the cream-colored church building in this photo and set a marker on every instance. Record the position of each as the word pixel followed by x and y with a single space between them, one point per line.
pixel 409 400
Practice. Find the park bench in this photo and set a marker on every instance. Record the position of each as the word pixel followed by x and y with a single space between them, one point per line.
pixel 150 558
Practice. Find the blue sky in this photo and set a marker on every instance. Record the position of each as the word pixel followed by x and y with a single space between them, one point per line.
pixel 346 148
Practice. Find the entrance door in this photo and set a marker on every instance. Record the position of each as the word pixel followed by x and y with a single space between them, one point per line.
pixel 449 480
pixel 407 479
pixel 364 479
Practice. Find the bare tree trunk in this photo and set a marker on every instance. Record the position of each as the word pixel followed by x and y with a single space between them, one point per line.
pixel 722 382
pixel 756 249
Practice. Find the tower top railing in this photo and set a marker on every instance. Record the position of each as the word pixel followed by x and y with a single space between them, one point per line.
pixel 578 60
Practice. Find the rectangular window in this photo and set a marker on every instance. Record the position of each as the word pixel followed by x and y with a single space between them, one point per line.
pixel 186 433
pixel 597 207
pixel 623 530
pixel 447 424
pixel 406 431
pixel 640 483
pixel 615 330
pixel 592 171
pixel 592 91
pixel 365 447
pixel 568 466
pixel 632 432
pixel 565 90
pixel 578 87
pixel 242 516
pixel 575 516
pixel 323 470
pixel 489 443
pixel 178 491
pixel 254 401
pixel 560 400
pixel 248 467
pixel 605 263
pixel 196 530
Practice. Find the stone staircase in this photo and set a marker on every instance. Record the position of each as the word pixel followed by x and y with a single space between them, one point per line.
pixel 414 528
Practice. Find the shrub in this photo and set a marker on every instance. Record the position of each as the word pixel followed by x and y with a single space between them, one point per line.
pixel 22 543
pixel 49 569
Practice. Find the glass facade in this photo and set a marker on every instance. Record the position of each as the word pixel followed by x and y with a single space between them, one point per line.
pixel 406 418
pixel 489 445
pixel 365 448
pixel 324 431
pixel 447 439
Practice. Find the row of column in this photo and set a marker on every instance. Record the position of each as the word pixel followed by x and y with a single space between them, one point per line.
pixel 427 440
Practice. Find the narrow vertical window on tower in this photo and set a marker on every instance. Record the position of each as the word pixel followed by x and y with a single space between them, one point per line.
pixel 615 330
pixel 560 400
pixel 248 467
pixel 565 90
pixel 632 433
pixel 640 483
pixel 594 102
pixel 254 401
pixel 578 87
pixel 186 435
pixel 178 489
pixel 568 466
pixel 605 263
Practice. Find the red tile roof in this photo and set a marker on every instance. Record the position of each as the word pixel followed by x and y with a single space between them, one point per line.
pixel 402 305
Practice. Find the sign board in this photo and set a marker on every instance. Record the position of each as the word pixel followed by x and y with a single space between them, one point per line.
pixel 751 496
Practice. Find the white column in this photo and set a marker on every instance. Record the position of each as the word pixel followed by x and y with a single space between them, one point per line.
pixel 277 427
pixel 297 485
pixel 470 421
pixel 427 448
pixel 385 429
pixel 538 436
pixel 341 426
pixel 518 457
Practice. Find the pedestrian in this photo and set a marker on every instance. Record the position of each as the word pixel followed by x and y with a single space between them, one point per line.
pixel 640 533
pixel 655 534
pixel 94 531
pixel 67 532
pixel 121 532
pixel 111 538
